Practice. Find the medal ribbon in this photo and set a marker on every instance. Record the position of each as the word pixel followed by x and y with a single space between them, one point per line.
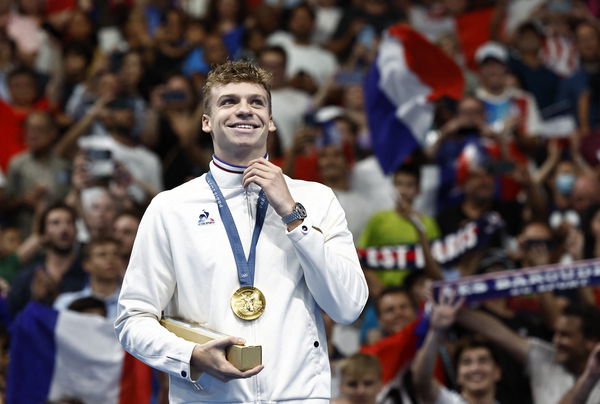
pixel 245 267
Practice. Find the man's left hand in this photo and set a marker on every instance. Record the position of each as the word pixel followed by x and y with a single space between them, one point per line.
pixel 270 178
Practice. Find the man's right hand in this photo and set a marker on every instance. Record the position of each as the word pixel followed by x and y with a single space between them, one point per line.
pixel 210 358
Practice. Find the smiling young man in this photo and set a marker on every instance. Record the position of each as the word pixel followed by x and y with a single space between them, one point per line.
pixel 243 226
pixel 477 369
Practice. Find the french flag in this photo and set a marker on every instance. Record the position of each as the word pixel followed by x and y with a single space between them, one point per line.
pixel 408 75
pixel 55 355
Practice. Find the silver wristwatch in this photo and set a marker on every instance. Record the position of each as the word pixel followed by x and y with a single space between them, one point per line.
pixel 298 213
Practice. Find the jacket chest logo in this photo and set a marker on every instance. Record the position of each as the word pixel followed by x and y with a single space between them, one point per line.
pixel 204 218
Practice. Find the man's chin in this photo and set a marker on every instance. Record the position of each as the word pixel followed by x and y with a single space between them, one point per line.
pixel 478 388
pixel 62 249
pixel 561 357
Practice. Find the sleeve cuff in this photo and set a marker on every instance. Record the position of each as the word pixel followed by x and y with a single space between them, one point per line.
pixel 304 229
pixel 181 359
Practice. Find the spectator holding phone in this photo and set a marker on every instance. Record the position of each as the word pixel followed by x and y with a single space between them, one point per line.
pixel 133 166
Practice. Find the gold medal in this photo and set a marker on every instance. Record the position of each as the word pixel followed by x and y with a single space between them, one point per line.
pixel 248 303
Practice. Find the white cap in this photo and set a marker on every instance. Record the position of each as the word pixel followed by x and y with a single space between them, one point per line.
pixel 491 50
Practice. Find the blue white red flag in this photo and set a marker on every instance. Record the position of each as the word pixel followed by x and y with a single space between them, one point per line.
pixel 55 355
pixel 408 75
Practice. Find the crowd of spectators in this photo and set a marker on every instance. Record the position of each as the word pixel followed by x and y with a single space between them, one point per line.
pixel 100 110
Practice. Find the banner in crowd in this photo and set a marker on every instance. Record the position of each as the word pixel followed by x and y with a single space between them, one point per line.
pixel 523 281
pixel 446 250
pixel 408 75
pixel 56 354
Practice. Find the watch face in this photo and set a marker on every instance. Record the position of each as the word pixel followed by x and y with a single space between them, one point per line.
pixel 301 210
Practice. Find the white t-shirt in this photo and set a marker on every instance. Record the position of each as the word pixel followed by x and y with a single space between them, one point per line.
pixel 368 179
pixel 315 61
pixel 549 380
pixel 289 107
pixel 326 23
pixel 449 397
pixel 432 26
pixel 357 208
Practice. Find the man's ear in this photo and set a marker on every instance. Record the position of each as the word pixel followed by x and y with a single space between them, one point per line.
pixel 206 126
pixel 272 127
pixel 497 373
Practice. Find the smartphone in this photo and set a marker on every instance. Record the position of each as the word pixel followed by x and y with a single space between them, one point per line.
pixel 101 164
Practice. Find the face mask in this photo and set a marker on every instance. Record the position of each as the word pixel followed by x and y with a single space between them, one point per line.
pixel 564 183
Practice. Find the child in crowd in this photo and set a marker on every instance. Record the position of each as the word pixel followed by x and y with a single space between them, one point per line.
pixel 360 380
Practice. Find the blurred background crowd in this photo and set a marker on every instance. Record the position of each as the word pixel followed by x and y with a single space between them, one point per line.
pixel 100 111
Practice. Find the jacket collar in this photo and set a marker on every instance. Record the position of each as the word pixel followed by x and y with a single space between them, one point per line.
pixel 227 175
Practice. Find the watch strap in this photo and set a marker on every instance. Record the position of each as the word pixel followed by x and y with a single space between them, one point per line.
pixel 298 213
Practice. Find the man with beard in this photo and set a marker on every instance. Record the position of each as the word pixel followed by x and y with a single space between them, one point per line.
pixel 59 268
pixel 102 262
pixel 552 367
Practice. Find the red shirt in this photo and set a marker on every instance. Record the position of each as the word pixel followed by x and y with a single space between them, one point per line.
pixel 12 136
pixel 398 351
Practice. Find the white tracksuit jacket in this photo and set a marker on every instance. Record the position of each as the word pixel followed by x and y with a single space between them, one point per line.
pixel 183 264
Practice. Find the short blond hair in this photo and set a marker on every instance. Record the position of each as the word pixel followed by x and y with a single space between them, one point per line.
pixel 360 364
pixel 235 72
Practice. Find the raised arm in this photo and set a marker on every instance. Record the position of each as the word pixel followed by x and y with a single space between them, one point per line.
pixel 432 268
pixel 580 393
pixel 66 145
pixel 442 317
pixel 495 331
pixel 325 250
